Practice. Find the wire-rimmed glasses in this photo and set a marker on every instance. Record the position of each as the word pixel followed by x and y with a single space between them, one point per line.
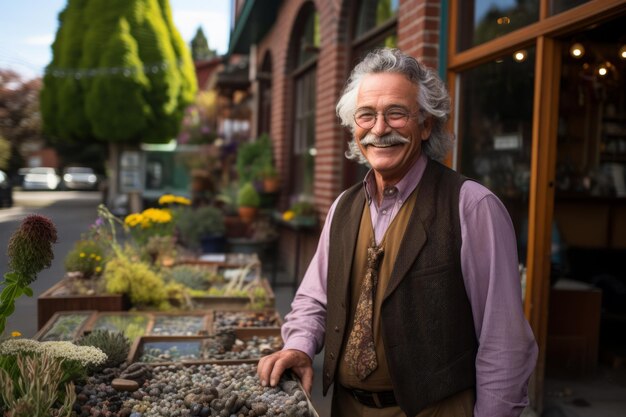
pixel 395 117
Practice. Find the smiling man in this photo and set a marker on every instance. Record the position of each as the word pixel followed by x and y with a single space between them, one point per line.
pixel 414 289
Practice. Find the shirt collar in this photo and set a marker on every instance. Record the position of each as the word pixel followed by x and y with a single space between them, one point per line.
pixel 405 186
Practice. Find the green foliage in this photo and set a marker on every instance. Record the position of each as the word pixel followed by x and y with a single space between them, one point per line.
pixel 36 388
pixel 253 159
pixel 5 153
pixel 120 72
pixel 193 223
pixel 114 344
pixel 144 287
pixel 191 276
pixel 86 257
pixel 30 251
pixel 248 196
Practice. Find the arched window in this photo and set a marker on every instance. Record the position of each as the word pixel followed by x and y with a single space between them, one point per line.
pixel 265 95
pixel 305 48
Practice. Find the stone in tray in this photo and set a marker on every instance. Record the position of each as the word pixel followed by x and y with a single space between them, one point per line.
pixel 178 325
pixel 224 346
pixel 195 390
pixel 244 319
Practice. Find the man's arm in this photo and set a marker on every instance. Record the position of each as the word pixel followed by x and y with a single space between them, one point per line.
pixel 304 327
pixel 507 351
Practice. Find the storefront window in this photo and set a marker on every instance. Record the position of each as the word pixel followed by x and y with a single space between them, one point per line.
pixel 307 36
pixel 558 6
pixel 483 20
pixel 374 13
pixel 495 127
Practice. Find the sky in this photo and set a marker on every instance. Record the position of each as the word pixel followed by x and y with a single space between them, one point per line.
pixel 28 28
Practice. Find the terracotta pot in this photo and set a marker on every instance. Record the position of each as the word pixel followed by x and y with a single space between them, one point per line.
pixel 270 185
pixel 248 214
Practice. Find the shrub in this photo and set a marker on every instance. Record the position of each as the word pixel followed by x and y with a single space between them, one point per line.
pixel 143 286
pixel 193 223
pixel 114 344
pixel 87 257
pixel 248 196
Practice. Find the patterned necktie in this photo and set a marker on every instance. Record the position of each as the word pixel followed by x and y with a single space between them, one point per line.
pixel 360 350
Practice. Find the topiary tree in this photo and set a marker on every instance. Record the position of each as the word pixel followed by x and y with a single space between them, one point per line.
pixel 120 73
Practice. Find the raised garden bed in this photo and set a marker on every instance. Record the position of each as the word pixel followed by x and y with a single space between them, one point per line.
pixel 230 303
pixel 64 326
pixel 180 324
pixel 60 298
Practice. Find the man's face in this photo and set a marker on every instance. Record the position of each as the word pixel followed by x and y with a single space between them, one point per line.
pixel 379 93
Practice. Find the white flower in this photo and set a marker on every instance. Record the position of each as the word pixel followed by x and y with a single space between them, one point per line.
pixel 86 355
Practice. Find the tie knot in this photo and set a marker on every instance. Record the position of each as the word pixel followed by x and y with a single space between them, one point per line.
pixel 374 255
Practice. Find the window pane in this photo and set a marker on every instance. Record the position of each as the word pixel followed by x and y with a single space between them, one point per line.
pixel 309 39
pixel 304 134
pixel 495 128
pixel 483 20
pixel 373 13
pixel 558 6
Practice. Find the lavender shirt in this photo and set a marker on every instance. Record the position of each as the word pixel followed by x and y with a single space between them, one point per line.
pixel 507 351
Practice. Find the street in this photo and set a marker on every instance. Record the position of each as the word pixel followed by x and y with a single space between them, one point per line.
pixel 72 212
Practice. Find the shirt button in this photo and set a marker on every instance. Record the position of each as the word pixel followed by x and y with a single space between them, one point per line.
pixel 384 211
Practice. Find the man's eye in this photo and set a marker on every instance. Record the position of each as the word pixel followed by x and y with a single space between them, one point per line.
pixel 365 116
pixel 396 115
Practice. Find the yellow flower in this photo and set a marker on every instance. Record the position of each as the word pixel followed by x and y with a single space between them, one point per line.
pixel 93 255
pixel 98 269
pixel 166 199
pixel 133 219
pixel 15 334
pixel 288 215
pixel 82 254
pixel 182 200
pixel 98 258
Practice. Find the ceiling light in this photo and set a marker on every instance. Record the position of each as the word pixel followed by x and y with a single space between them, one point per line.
pixel 603 70
pixel 577 50
pixel 622 52
pixel 520 56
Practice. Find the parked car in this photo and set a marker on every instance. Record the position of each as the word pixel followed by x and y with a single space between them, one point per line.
pixel 41 178
pixel 79 178
pixel 6 190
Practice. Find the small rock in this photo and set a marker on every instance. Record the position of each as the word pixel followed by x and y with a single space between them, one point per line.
pixel 120 384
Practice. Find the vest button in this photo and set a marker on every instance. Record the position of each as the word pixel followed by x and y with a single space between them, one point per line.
pixel 327 374
pixel 337 328
pixel 332 355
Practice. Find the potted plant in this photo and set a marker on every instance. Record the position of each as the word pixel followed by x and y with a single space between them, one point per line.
pixel 270 177
pixel 248 201
pixel 201 228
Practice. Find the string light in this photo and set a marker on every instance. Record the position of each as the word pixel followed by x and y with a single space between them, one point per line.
pixel 577 50
pixel 520 56
pixel 108 71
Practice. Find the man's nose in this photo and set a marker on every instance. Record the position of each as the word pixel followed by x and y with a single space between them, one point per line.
pixel 380 126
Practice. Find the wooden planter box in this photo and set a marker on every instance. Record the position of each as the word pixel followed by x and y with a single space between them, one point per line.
pixel 214 302
pixel 195 343
pixel 200 323
pixel 56 298
pixel 73 321
pixel 129 323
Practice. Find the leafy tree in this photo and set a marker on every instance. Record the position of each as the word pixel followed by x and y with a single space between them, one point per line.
pixel 20 119
pixel 120 73
pixel 200 47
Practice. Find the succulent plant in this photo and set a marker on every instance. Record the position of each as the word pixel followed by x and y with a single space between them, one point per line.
pixel 114 344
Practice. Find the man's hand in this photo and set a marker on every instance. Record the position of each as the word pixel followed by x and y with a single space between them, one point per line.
pixel 271 367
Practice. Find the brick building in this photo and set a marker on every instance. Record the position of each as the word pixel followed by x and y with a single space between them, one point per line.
pixel 539 113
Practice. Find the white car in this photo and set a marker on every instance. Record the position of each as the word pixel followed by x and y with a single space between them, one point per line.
pixel 79 178
pixel 42 178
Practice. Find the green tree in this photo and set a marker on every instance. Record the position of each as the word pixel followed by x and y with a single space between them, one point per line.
pixel 200 47
pixel 120 73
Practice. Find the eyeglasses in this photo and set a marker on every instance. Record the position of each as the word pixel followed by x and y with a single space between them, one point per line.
pixel 396 118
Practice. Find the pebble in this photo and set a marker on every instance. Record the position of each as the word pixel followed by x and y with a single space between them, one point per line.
pixel 121 384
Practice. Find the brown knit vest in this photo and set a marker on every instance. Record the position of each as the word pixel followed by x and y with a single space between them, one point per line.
pixel 426 319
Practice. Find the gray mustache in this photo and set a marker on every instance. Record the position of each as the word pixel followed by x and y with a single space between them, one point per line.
pixel 386 140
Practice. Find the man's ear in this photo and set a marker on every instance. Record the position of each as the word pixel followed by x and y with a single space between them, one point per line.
pixel 426 128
